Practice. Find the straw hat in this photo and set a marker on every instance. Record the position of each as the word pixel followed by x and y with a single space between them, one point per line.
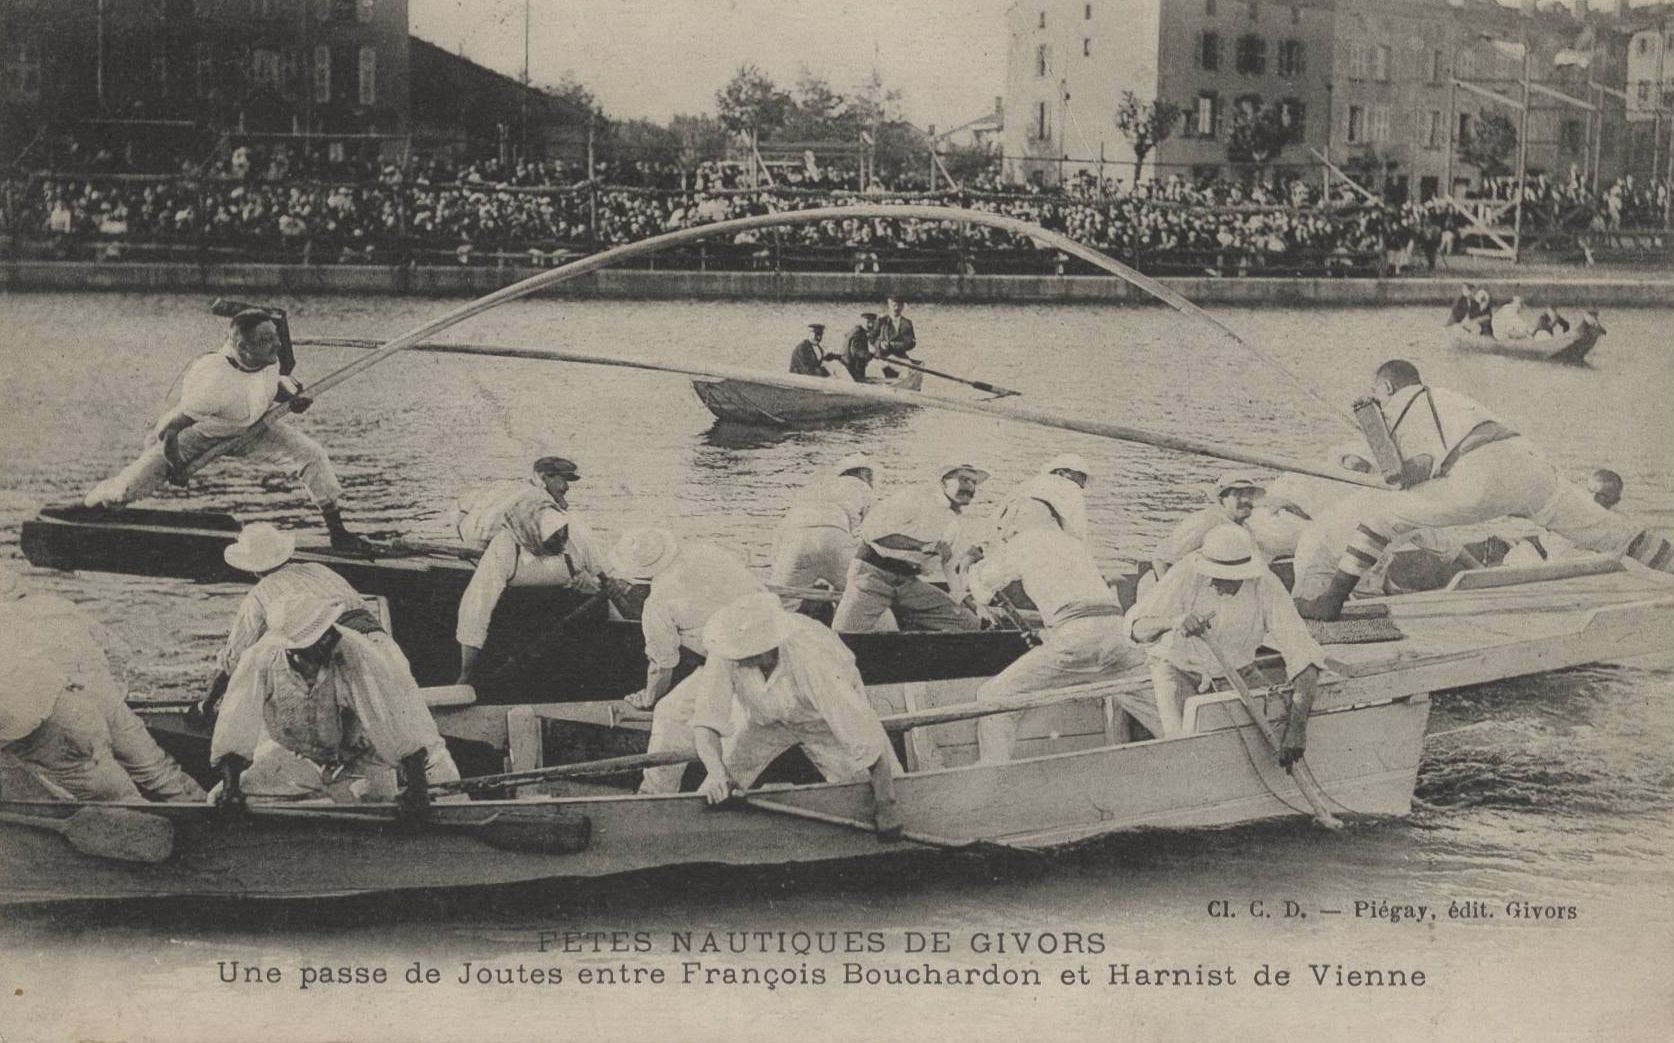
pixel 643 554
pixel 751 625
pixel 1229 553
pixel 976 473
pixel 1239 480
pixel 302 620
pixel 1067 462
pixel 29 688
pixel 259 548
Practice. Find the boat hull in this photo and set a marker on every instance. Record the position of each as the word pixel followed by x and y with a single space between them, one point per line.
pixel 1572 348
pixel 527 658
pixel 742 402
pixel 1368 759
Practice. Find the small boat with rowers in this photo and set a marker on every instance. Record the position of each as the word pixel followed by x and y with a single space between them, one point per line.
pixel 1087 765
pixel 1570 348
pixel 745 402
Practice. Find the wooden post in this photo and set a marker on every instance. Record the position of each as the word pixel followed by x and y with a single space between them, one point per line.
pixel 1522 161
pixel 1452 124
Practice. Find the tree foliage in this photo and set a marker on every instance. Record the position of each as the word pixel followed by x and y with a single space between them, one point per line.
pixel 1490 144
pixel 752 105
pixel 1146 125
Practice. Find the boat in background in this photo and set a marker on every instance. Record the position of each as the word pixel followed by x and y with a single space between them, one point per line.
pixel 1570 348
pixel 741 402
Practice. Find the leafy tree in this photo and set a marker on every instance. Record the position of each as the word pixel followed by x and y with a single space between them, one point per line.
pixel 1258 133
pixel 818 113
pixel 1145 125
pixel 700 138
pixel 571 90
pixel 1492 140
pixel 965 162
pixel 752 105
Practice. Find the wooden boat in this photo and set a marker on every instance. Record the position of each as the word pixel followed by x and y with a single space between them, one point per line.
pixel 1570 348
pixel 1093 742
pixel 742 402
pixel 527 658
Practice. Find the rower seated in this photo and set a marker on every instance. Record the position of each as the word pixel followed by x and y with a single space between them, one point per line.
pixel 324 707
pixel 808 357
pixel 63 716
pixel 1224 594
pixel 1511 321
pixel 775 680
pixel 1463 306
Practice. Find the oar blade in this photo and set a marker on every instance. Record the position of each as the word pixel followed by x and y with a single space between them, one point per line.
pixel 119 833
pixel 543 831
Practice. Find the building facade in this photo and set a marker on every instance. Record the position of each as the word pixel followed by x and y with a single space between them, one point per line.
pixel 1650 98
pixel 1369 85
pixel 168 75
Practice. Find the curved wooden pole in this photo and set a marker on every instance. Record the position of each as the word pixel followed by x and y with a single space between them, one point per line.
pixel 616 255
pixel 826 385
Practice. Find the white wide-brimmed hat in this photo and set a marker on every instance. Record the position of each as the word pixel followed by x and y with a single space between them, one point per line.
pixel 641 554
pixel 973 470
pixel 29 688
pixel 855 462
pixel 302 620
pixel 1229 553
pixel 1239 480
pixel 259 548
pixel 749 626
pixel 1067 462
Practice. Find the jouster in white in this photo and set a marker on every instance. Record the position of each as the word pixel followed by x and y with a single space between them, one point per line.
pixel 908 536
pixel 224 396
pixel 690 582
pixel 1223 593
pixel 1084 638
pixel 1236 495
pixel 1462 466
pixel 776 680
pixel 315 702
pixel 817 539
pixel 1055 495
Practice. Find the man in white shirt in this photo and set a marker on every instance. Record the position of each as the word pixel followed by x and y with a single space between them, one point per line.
pixel 776 680
pixel 1462 466
pixel 223 396
pixel 906 537
pixel 1055 496
pixel 1084 640
pixel 690 581
pixel 317 702
pixel 1225 594
pixel 1236 495
pixel 817 539
pixel 533 538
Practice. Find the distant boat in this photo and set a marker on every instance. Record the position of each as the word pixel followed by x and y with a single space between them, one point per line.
pixel 1571 347
pixel 743 402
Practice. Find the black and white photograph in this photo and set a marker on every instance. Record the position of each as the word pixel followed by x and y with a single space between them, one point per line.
pixel 629 520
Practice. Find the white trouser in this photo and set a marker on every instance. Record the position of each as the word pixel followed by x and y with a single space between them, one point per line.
pixel 276 442
pixel 671 729
pixel 1077 652
pixel 275 773
pixel 754 746
pixel 1493 481
pixel 809 554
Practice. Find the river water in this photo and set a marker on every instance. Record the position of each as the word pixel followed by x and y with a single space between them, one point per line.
pixel 1556 792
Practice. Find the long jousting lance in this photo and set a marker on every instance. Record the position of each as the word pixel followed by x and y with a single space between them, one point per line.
pixel 904 212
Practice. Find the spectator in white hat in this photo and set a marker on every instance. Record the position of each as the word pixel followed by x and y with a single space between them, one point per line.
pixel 906 540
pixel 1223 592
pixel 266 552
pixel 1236 494
pixel 690 581
pixel 819 534
pixel 776 680
pixel 317 702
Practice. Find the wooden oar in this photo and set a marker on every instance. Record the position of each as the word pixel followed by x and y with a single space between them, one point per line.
pixel 791 810
pixel 893 723
pixel 980 385
pixel 116 833
pixel 541 829
pixel 1004 410
pixel 1304 778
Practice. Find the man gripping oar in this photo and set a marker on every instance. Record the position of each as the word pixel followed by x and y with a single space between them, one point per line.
pixel 222 398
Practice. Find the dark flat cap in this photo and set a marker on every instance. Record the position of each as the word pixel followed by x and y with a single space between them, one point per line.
pixel 548 466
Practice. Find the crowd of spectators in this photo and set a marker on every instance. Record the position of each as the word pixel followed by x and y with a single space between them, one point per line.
pixel 255 204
